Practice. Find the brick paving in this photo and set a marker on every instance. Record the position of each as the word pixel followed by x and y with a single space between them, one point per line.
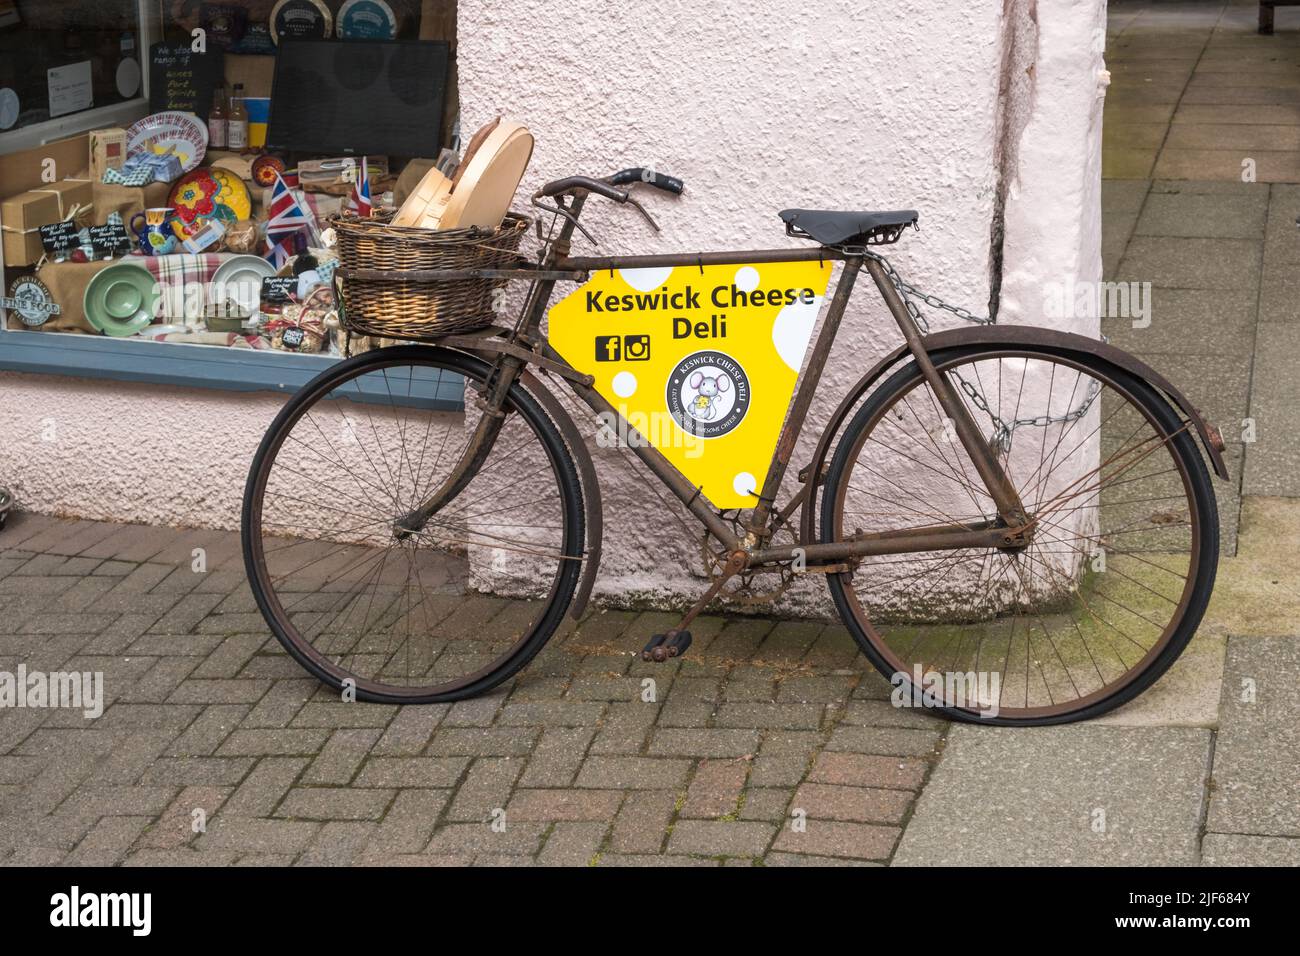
pixel 770 743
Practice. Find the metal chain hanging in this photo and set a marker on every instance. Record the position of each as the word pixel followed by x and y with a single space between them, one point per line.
pixel 1002 429
pixel 907 291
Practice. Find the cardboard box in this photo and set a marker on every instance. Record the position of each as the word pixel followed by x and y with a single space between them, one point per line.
pixel 22 216
pixel 22 248
pixel 30 168
pixel 107 151
pixel 128 200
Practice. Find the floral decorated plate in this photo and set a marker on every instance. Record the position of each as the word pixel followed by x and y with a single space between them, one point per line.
pixel 208 194
pixel 182 134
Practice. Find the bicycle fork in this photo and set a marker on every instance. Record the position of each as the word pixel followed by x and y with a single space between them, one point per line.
pixel 491 402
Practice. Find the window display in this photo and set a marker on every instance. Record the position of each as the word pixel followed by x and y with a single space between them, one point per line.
pixel 180 224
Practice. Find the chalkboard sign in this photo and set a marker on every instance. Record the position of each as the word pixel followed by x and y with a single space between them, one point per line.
pixel 180 79
pixel 278 289
pixel 60 236
pixel 109 240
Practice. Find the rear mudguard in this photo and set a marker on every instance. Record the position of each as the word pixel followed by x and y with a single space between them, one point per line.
pixel 997 335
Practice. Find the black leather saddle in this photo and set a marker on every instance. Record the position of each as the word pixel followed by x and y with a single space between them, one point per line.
pixel 836 228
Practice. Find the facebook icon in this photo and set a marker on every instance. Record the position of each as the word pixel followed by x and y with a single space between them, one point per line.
pixel 608 348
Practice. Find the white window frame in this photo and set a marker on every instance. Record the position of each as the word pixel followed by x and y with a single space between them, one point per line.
pixel 148 30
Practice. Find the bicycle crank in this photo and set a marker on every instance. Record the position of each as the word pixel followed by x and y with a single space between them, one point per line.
pixel 675 641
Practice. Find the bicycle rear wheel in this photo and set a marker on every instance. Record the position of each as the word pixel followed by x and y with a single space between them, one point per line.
pixel 438 615
pixel 1113 582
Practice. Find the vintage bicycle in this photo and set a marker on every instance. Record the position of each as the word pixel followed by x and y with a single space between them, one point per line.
pixel 1016 502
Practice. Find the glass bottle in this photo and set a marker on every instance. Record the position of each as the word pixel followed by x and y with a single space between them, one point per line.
pixel 237 121
pixel 217 120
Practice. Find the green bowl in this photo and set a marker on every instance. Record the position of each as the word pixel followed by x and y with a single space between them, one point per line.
pixel 120 299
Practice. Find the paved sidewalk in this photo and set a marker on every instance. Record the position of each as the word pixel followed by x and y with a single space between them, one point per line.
pixel 206 715
pixel 1195 89
pixel 1198 102
pixel 765 723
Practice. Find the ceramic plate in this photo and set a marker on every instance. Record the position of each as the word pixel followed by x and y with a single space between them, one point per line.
pixel 239 280
pixel 205 194
pixel 120 300
pixel 181 133
pixel 265 168
pixel 366 20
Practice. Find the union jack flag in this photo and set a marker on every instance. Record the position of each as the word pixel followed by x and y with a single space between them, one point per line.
pixel 286 218
pixel 361 191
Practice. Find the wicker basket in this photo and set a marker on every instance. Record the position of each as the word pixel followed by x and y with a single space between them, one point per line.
pixel 383 294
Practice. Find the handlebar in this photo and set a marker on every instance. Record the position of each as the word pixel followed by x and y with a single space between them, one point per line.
pixel 569 183
pixel 607 187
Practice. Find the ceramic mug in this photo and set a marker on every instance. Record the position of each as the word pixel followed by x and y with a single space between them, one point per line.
pixel 156 236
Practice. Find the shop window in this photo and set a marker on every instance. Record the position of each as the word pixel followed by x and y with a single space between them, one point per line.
pixel 148 154
pixel 63 65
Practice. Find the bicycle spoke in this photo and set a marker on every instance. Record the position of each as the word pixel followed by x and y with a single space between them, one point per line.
pixel 1079 610
pixel 417 611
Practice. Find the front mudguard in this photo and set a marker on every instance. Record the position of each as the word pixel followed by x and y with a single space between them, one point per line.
pixel 996 335
pixel 491 349
pixel 590 487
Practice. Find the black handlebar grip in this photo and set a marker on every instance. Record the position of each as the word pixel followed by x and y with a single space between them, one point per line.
pixel 640 174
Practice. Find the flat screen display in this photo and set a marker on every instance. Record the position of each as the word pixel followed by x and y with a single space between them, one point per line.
pixel 342 97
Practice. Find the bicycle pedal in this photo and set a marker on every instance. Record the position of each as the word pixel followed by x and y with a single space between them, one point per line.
pixel 662 647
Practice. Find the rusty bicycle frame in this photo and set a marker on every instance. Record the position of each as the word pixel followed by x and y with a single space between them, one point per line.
pixel 512 350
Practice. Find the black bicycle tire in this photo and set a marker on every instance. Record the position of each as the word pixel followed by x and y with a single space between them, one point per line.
pixel 562 463
pixel 1184 444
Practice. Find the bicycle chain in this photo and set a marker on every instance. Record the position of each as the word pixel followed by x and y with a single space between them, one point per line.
pixel 1002 430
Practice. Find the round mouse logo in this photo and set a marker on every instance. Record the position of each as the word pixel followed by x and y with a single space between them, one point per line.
pixel 708 394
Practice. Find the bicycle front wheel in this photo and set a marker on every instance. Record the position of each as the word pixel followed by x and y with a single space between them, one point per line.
pixel 440 614
pixel 1116 574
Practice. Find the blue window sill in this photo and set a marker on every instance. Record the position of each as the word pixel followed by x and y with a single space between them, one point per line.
pixel 190 366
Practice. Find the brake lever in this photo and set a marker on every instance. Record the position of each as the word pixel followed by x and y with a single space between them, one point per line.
pixel 641 209
pixel 559 210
